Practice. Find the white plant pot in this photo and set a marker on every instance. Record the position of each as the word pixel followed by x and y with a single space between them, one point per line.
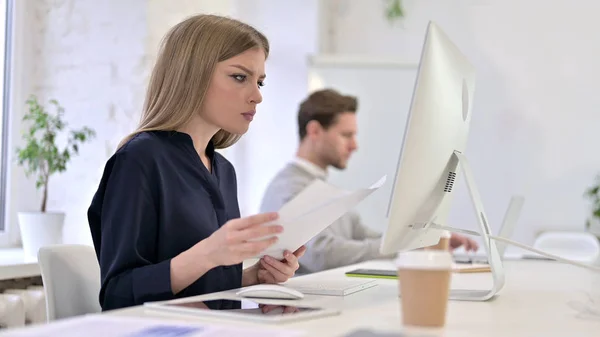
pixel 38 230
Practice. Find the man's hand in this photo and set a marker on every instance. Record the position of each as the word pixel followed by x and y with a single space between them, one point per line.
pixel 457 240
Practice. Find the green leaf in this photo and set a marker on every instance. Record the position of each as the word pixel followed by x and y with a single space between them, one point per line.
pixel 40 156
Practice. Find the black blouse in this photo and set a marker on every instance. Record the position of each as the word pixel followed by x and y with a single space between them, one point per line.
pixel 156 199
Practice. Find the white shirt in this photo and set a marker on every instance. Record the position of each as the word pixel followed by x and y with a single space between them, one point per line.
pixel 310 167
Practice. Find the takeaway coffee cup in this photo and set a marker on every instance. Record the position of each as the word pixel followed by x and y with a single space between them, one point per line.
pixel 424 281
pixel 443 244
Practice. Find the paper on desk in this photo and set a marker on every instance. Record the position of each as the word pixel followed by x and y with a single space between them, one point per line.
pixel 116 326
pixel 311 211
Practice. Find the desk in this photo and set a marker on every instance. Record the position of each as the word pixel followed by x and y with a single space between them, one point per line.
pixel 534 302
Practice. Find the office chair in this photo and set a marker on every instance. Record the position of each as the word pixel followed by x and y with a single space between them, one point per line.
pixel 71 277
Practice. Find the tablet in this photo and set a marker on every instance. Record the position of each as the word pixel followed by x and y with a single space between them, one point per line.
pixel 245 309
pixel 373 273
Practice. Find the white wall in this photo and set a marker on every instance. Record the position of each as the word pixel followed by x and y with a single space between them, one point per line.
pixel 536 122
pixel 292 29
pixel 88 56
pixel 537 70
pixel 94 57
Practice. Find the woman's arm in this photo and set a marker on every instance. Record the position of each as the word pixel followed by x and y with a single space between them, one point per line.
pixel 250 275
pixel 125 212
pixel 189 266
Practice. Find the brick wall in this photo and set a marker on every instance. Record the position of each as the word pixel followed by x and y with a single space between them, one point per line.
pixel 94 57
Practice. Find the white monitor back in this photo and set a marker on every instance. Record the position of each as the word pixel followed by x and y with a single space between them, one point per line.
pixel 438 126
pixel 384 88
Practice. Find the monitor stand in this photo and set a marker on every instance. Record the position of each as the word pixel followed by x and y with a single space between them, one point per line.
pixel 494 259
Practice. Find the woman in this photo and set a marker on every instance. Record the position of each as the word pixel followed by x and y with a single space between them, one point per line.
pixel 165 220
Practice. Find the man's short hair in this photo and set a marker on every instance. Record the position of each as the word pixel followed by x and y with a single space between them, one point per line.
pixel 324 106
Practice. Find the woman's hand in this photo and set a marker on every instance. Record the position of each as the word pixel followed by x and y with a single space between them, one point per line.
pixel 236 241
pixel 273 271
pixel 240 239
pixel 277 309
pixel 270 270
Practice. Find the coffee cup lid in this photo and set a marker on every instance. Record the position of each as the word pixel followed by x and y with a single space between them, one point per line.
pixel 425 260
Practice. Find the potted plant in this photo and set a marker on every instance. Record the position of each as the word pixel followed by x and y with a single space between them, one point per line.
pixel 593 195
pixel 394 10
pixel 41 158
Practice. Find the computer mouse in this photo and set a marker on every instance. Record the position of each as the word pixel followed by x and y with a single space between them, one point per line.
pixel 272 291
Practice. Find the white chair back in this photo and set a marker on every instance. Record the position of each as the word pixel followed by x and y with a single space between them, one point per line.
pixel 71 277
pixel 578 246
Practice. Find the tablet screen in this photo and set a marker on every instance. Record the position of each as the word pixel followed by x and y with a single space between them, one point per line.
pixel 244 307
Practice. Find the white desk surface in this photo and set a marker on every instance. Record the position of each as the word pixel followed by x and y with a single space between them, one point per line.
pixel 534 302
pixel 13 264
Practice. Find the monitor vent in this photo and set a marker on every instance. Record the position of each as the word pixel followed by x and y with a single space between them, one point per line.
pixel 450 182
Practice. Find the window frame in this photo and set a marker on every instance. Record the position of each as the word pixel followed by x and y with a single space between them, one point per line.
pixel 6 92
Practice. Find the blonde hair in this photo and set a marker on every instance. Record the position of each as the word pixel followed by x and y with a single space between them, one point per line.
pixel 184 67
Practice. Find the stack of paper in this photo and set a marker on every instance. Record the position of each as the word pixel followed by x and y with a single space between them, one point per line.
pixel 311 211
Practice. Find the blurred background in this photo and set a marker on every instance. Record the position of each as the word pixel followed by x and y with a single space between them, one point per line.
pixel 535 127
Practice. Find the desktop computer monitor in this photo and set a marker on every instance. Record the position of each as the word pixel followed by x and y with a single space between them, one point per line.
pixel 437 127
pixel 432 152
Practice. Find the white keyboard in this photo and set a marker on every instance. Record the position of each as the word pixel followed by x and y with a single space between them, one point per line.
pixel 334 287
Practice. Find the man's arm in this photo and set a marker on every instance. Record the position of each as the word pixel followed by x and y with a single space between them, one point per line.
pixel 360 231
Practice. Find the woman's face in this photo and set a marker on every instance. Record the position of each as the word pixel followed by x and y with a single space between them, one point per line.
pixel 234 91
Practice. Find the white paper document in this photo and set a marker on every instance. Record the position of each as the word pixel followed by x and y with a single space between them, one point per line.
pixel 116 326
pixel 311 211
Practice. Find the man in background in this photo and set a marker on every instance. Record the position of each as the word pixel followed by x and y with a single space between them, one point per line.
pixel 327 128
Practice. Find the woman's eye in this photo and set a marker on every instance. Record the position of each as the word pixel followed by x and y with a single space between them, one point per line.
pixel 239 78
pixel 242 78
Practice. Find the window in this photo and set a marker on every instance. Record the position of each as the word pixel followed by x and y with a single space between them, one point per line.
pixel 5 52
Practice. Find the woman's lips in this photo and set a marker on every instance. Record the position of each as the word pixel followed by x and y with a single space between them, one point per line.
pixel 249 116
